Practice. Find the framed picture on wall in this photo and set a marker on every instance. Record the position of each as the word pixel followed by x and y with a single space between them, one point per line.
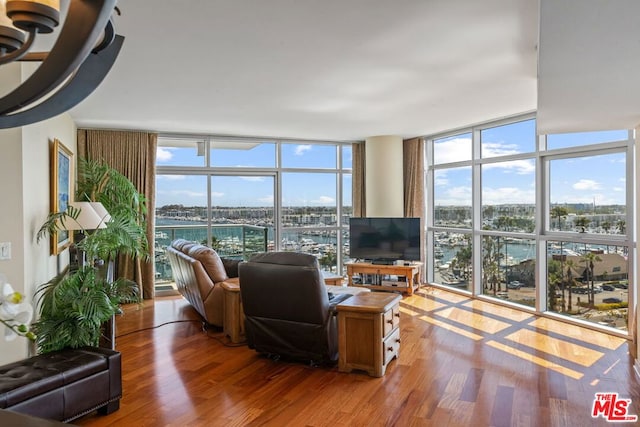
pixel 61 191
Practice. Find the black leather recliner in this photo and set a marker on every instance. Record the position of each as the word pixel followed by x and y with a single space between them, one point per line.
pixel 287 308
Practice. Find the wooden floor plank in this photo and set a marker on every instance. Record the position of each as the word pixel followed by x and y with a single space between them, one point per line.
pixel 455 368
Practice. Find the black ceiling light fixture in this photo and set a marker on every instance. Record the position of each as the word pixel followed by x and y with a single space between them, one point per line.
pixel 83 54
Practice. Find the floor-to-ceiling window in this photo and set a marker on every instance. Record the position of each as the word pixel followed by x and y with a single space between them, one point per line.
pixel 540 221
pixel 246 195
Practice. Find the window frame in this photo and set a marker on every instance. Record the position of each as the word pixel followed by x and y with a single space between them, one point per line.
pixel 542 233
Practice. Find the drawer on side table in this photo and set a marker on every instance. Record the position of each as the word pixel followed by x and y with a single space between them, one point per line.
pixel 368 325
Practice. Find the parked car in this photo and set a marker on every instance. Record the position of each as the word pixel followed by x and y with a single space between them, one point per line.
pixel 514 285
pixel 608 288
pixel 611 300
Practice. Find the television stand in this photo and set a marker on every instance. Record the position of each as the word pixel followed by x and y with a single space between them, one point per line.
pixel 382 261
pixel 372 276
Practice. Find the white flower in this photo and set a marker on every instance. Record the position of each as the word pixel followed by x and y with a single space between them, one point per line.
pixel 15 314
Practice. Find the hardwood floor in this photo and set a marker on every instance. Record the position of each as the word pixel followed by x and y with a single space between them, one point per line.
pixel 462 362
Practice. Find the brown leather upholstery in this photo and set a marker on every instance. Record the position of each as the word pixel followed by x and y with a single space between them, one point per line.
pixel 199 272
pixel 287 308
pixel 63 385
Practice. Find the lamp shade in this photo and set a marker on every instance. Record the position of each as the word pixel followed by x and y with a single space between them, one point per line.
pixel 101 211
pixel 87 219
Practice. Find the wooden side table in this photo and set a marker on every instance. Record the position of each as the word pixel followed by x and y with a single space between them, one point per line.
pixel 233 314
pixel 332 279
pixel 368 332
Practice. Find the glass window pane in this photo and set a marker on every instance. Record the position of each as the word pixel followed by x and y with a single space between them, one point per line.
pixel 452 149
pixel 320 243
pixel 508 196
pixel 588 194
pixel 564 140
pixel 347 157
pixel 243 154
pixel 307 155
pixel 180 152
pixel 309 199
pixel 181 212
pixel 347 198
pixel 452 197
pixel 508 139
pixel 452 255
pixel 589 282
pixel 242 207
pixel 508 269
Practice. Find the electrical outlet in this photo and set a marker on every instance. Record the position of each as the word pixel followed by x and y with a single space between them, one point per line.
pixel 5 250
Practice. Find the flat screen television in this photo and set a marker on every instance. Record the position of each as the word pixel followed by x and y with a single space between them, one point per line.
pixel 385 240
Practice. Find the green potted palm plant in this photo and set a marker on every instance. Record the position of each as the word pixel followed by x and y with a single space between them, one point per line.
pixel 75 305
pixel 74 308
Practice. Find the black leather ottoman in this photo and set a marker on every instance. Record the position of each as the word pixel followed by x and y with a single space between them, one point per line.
pixel 63 385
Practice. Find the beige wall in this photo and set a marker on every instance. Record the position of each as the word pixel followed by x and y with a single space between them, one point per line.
pixel 24 191
pixel 636 279
pixel 384 179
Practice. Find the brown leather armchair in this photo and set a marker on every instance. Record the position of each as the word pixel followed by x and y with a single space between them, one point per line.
pixel 199 273
pixel 287 308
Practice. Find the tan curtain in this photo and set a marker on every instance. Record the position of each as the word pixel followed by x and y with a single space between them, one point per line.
pixel 133 154
pixel 413 177
pixel 413 160
pixel 358 180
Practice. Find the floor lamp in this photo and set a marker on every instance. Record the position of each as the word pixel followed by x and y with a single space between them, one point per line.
pixel 91 216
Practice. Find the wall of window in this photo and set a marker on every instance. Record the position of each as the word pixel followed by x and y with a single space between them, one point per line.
pixel 246 195
pixel 540 221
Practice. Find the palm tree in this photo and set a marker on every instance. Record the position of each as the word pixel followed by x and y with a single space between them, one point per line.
pixel 464 256
pixel 570 264
pixel 582 222
pixel 588 259
pixel 559 212
pixel 555 274
pixel 606 226
pixel 493 273
pixel 622 226
pixel 491 263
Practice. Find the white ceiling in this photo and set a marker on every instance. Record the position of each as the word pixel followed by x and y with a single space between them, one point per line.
pixel 349 69
pixel 589 65
pixel 331 69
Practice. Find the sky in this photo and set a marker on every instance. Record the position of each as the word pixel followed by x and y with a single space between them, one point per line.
pixel 599 179
pixel 252 190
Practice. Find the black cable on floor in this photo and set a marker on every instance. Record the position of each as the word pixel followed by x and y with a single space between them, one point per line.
pixel 220 337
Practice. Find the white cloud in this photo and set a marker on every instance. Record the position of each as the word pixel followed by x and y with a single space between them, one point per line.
pixel 494 149
pixel 266 199
pixel 586 184
pixel 170 177
pixel 163 154
pixel 454 196
pixel 453 150
pixel 301 149
pixel 507 195
pixel 186 193
pixel 216 194
pixel 252 178
pixel 324 200
pixel 520 167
